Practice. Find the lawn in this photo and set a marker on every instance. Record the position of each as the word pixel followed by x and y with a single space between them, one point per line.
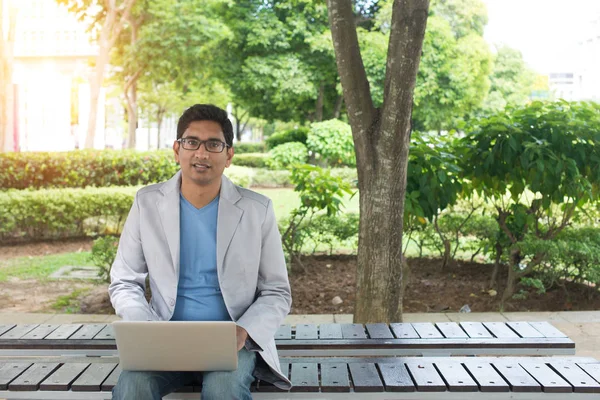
pixel 40 267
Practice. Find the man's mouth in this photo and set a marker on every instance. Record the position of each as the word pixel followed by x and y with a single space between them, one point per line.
pixel 200 166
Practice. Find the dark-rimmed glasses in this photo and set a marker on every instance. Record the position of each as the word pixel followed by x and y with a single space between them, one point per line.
pixel 211 145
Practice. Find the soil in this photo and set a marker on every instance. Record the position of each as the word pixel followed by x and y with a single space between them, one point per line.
pixel 430 289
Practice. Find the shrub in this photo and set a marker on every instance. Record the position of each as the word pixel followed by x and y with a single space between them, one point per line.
pixel 287 154
pixel 243 148
pixel 104 251
pixel 332 142
pixel 254 160
pixel 271 178
pixel 290 135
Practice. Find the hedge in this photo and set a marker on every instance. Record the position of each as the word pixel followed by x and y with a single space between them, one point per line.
pixel 290 135
pixel 254 160
pixel 243 148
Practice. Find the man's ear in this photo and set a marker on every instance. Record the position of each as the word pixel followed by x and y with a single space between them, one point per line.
pixel 176 151
pixel 230 153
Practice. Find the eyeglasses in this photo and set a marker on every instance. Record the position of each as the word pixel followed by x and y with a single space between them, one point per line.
pixel 211 145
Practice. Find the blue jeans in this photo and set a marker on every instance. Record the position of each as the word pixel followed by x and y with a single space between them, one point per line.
pixel 217 385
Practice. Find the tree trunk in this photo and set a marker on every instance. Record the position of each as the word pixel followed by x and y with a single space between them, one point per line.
pixel 511 280
pixel 159 118
pixel 494 280
pixel 381 141
pixel 7 99
pixel 132 117
pixel 319 110
pixel 338 107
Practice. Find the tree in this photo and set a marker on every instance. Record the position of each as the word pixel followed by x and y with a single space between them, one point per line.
pixel 381 138
pixel 6 69
pixel 109 17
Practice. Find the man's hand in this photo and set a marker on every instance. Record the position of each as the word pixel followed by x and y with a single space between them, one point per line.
pixel 242 335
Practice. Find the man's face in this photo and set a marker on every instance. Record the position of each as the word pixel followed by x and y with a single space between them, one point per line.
pixel 200 166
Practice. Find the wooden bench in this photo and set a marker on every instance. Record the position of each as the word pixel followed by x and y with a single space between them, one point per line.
pixel 401 339
pixel 335 378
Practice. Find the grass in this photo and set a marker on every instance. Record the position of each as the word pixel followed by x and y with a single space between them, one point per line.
pixel 69 303
pixel 40 267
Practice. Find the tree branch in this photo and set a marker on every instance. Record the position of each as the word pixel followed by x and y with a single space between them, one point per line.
pixel 502 222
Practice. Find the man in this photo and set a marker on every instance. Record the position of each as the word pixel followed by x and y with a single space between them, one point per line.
pixel 212 251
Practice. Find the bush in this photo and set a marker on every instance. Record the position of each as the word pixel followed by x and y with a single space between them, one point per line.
pixel 83 168
pixel 254 160
pixel 287 154
pixel 332 142
pixel 290 135
pixel 271 178
pixel 63 213
pixel 104 251
pixel 243 148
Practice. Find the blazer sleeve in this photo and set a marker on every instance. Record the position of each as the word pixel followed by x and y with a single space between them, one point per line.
pixel 274 298
pixel 128 272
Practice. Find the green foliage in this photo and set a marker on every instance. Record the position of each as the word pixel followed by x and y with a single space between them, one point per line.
pixel 63 213
pixel 579 255
pixel 287 154
pixel 104 251
pixel 254 160
pixel 331 141
pixel 243 148
pixel 287 136
pixel 85 168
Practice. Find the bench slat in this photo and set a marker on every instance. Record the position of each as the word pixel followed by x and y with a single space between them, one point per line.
pixel 524 330
pixel 379 331
pixel 353 331
pixel 551 382
pixel 305 377
pixel 547 329
pixel 88 331
pixel 93 377
pixel 62 378
pixel 5 328
pixel 40 332
pixel 18 331
pixel 486 376
pixel 518 379
pixel 476 330
pixel 33 376
pixel 334 377
pixel 427 330
pixel 106 333
pixel 330 331
pixel 306 331
pixel 284 332
pixel 64 332
pixel 578 378
pixel 365 377
pixel 110 382
pixel 396 378
pixel 456 377
pixel 426 377
pixel 451 330
pixel 9 371
pixel 592 369
pixel 500 330
pixel 404 331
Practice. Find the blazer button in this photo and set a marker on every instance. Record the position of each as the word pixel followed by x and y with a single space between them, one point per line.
pixel 172 302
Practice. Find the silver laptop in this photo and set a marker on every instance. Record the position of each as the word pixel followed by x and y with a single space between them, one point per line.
pixel 176 345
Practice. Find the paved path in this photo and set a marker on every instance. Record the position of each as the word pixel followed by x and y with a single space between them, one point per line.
pixel 583 327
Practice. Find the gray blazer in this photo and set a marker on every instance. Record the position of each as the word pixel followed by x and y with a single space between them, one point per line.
pixel 250 264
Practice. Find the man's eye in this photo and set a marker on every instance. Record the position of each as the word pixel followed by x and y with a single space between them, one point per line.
pixel 192 142
pixel 214 145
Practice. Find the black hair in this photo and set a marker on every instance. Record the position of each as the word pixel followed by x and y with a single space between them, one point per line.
pixel 206 112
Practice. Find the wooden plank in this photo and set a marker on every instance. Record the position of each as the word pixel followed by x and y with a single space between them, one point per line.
pixel 31 379
pixel 93 377
pixel 451 330
pixel 379 331
pixel 353 331
pixel 486 377
pixel 330 331
pixel 305 377
pixel 518 379
pixel 284 332
pixel 110 382
pixel 426 377
pixel 476 330
pixel 5 328
pixel 547 329
pixel 524 330
pixel 64 331
pixel 456 376
pixel 427 330
pixel 306 332
pixel 500 330
pixel 576 377
pixel 88 331
pixel 62 378
pixel 107 333
pixel 592 370
pixel 18 331
pixel 334 377
pixel 365 377
pixel 551 382
pixel 40 332
pixel 9 371
pixel 404 331
pixel 396 377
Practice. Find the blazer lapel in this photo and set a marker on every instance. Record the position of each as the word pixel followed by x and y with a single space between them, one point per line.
pixel 168 209
pixel 228 219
